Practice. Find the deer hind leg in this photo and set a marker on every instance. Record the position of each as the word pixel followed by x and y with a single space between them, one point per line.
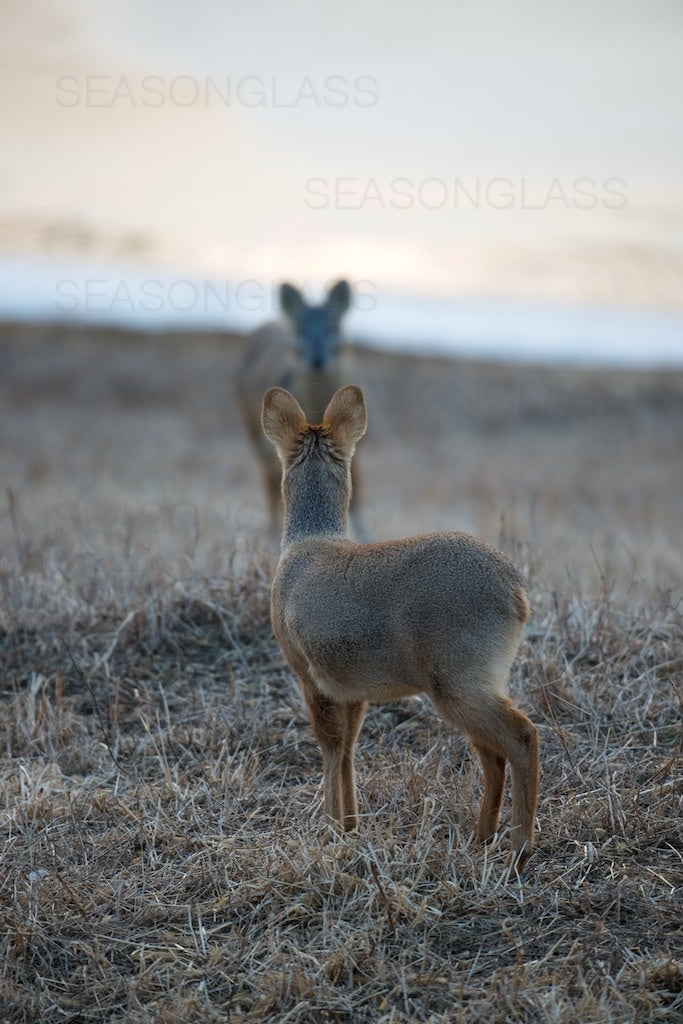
pixel 494 723
pixel 355 714
pixel 494 782
pixel 522 750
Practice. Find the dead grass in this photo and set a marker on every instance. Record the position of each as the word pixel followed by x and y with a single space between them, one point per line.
pixel 164 857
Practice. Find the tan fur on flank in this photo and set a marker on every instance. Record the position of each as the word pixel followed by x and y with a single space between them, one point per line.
pixel 441 614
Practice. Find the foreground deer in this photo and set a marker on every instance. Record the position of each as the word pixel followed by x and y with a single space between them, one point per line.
pixel 304 353
pixel 441 614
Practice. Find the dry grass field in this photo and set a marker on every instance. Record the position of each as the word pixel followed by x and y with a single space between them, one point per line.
pixel 163 853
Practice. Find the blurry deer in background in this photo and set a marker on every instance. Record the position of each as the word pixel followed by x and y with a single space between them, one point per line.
pixel 305 354
pixel 441 614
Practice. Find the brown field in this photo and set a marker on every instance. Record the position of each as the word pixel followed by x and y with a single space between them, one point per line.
pixel 164 857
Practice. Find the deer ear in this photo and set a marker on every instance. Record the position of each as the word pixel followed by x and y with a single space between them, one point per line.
pixel 291 300
pixel 283 421
pixel 346 419
pixel 339 298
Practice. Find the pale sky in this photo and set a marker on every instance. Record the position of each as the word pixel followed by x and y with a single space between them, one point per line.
pixel 475 149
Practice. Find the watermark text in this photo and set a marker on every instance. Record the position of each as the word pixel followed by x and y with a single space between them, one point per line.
pixel 186 91
pixel 187 296
pixel 460 194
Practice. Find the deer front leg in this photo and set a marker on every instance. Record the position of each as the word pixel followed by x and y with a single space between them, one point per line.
pixel 329 723
pixel 355 713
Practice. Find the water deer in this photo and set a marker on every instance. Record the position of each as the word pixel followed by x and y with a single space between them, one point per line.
pixel 305 353
pixel 441 614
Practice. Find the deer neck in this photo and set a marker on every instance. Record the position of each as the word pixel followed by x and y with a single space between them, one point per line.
pixel 316 497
